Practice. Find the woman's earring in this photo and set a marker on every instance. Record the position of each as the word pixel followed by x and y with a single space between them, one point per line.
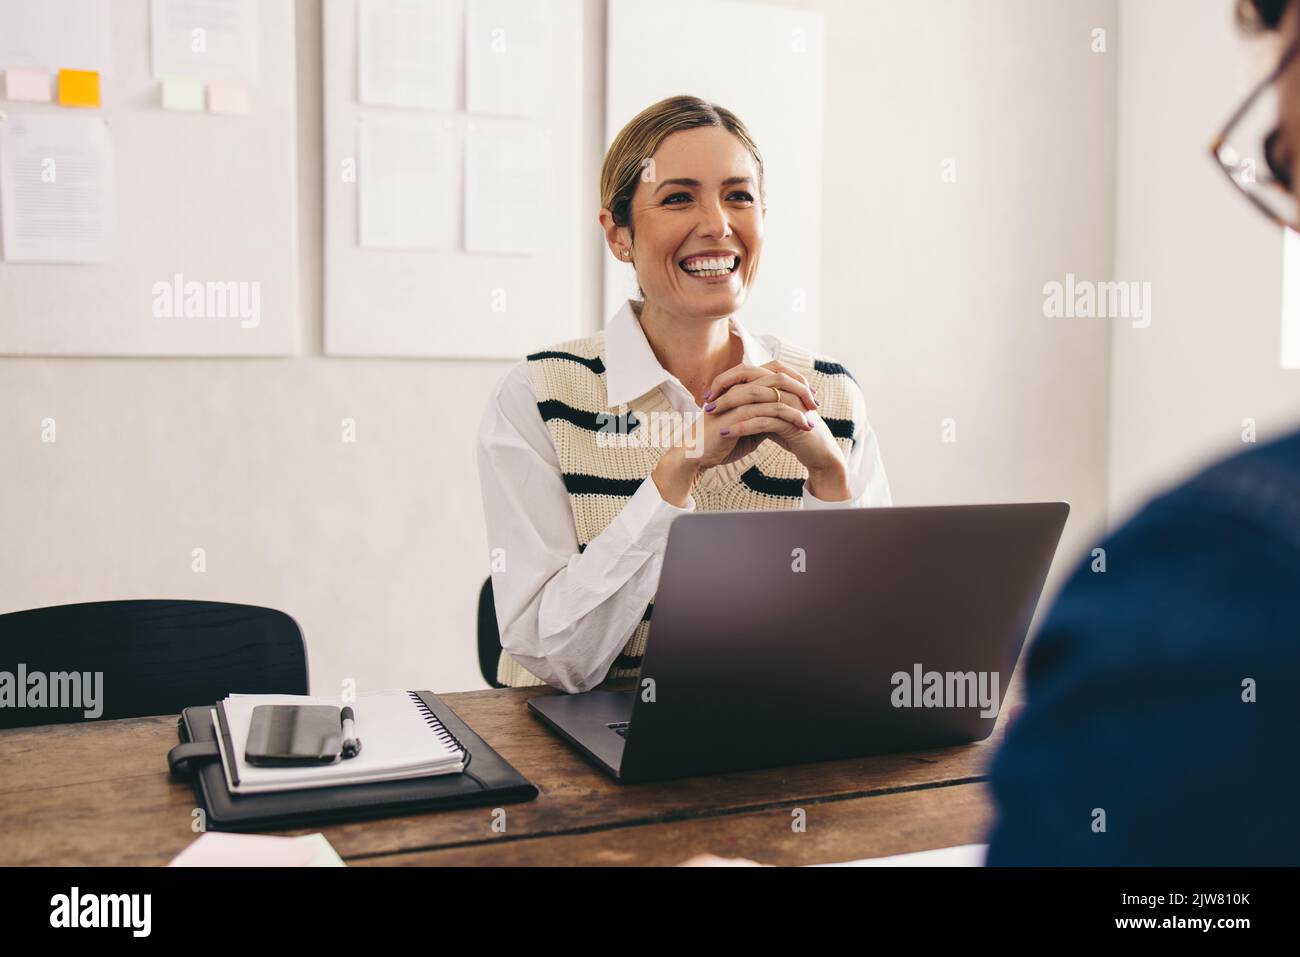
pixel 626 254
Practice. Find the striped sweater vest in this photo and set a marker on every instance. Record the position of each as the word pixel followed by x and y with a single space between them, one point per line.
pixel 600 475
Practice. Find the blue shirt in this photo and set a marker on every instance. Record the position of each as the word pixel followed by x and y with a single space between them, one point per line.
pixel 1135 687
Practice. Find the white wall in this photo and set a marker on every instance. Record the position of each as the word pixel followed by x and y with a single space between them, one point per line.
pixel 1211 356
pixel 934 289
pixel 932 296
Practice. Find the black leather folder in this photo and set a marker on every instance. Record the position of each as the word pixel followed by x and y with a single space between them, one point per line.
pixel 487 779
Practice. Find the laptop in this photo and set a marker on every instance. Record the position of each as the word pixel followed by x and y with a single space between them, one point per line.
pixel 784 637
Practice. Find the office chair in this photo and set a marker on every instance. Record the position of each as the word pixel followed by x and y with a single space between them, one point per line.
pixel 156 656
pixel 489 638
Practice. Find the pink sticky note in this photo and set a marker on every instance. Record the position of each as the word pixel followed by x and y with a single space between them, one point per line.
pixel 220 849
pixel 22 83
pixel 227 98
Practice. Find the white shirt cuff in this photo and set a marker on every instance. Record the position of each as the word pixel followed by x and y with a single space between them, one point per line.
pixel 646 517
pixel 857 495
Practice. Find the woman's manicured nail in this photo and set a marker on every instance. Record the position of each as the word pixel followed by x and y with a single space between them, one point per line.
pixel 709 393
pixel 817 402
pixel 725 432
pixel 710 407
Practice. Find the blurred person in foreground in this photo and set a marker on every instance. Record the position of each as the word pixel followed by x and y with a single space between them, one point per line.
pixel 1163 696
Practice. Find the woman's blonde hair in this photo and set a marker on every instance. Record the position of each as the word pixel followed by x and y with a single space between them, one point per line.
pixel 640 138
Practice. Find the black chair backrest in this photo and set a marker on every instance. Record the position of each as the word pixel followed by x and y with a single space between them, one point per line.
pixel 489 637
pixel 155 657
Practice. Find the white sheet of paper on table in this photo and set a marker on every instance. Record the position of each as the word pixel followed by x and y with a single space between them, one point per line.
pixel 219 849
pixel 508 48
pixel 57 34
pixel 57 198
pixel 205 40
pixel 962 855
pixel 409 183
pixel 508 177
pixel 409 53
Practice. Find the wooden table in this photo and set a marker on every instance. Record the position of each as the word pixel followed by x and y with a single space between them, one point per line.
pixel 99 793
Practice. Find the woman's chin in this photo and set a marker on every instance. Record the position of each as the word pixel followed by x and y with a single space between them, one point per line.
pixel 715 305
pixel 733 290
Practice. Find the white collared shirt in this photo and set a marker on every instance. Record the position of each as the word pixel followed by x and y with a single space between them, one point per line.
pixel 566 615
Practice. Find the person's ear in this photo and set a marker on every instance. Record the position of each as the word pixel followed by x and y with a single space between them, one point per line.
pixel 617 238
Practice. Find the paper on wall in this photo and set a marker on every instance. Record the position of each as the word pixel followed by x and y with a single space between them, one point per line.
pixel 228 98
pixel 509 53
pixel 79 88
pixel 508 185
pixel 24 83
pixel 57 201
pixel 409 53
pixel 182 93
pixel 409 183
pixel 205 40
pixel 56 34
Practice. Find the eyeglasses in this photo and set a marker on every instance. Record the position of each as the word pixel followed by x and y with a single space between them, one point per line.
pixel 1253 130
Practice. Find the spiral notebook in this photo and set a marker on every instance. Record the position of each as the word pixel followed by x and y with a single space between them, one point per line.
pixel 400 738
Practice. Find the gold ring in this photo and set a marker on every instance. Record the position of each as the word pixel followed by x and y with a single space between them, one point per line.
pixel 777 391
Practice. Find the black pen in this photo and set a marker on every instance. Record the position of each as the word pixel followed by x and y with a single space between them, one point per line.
pixel 351 743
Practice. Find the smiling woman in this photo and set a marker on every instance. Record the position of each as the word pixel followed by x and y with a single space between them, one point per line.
pixel 577 525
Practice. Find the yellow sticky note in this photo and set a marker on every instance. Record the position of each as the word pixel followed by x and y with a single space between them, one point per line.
pixel 78 88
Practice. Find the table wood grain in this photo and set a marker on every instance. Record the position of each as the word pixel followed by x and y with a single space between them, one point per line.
pixel 98 793
pixel 838 830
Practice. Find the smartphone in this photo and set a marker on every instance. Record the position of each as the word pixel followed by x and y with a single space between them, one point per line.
pixel 292 734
